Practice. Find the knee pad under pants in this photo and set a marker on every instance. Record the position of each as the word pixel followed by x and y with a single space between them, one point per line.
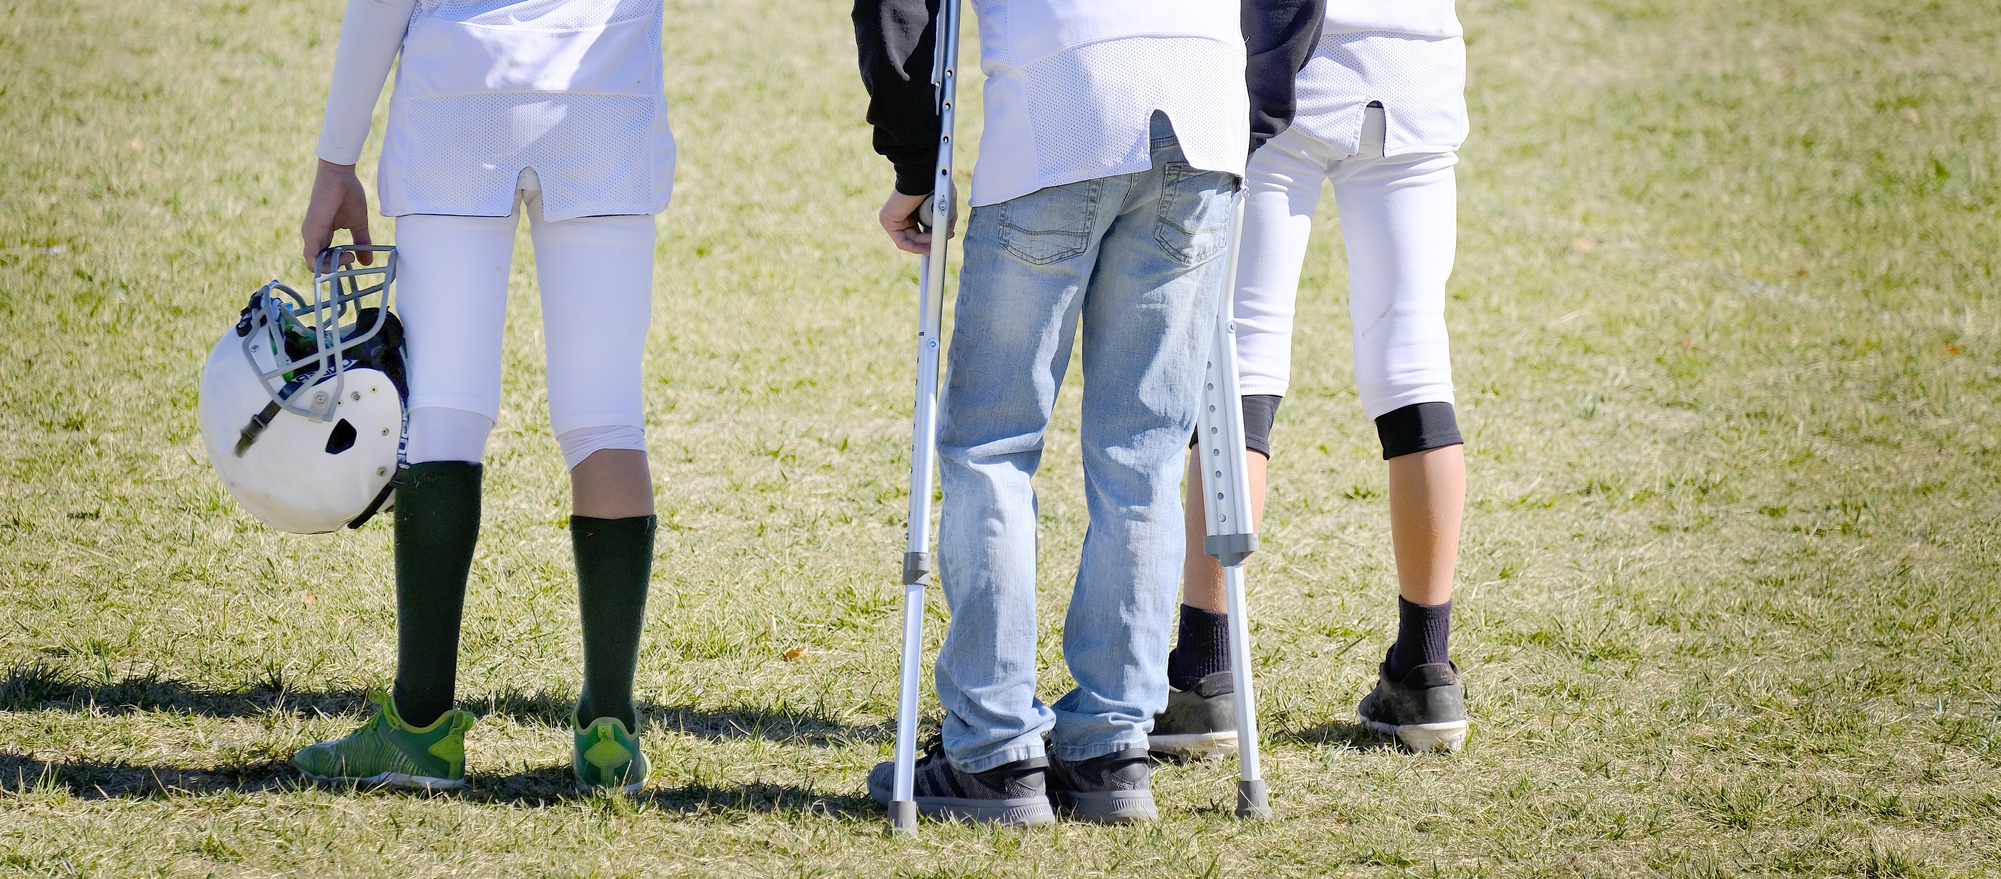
pixel 596 281
pixel 1260 410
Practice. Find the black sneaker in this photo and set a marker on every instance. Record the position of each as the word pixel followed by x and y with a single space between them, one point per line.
pixel 1426 709
pixel 1199 723
pixel 1014 794
pixel 1112 789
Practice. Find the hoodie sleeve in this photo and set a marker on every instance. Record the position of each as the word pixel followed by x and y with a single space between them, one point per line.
pixel 371 33
pixel 1279 36
pixel 895 40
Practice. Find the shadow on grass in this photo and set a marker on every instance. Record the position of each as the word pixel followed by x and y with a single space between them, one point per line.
pixel 783 724
pixel 548 785
pixel 534 788
pixel 92 780
pixel 698 799
pixel 40 688
pixel 1352 736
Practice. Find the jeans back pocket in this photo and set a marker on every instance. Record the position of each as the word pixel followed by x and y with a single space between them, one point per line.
pixel 1051 224
pixel 1194 222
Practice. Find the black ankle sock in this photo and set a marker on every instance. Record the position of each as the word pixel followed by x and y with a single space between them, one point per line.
pixel 1421 635
pixel 437 523
pixel 614 562
pixel 1202 648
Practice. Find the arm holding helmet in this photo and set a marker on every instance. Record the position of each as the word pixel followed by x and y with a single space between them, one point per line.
pixel 371 33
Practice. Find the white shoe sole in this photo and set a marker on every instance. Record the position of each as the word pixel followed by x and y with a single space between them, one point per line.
pixel 1019 812
pixel 1447 736
pixel 1195 746
pixel 1108 807
pixel 588 788
pixel 390 779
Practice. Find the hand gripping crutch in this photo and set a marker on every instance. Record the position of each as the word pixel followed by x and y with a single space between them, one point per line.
pixel 1226 501
pixel 924 420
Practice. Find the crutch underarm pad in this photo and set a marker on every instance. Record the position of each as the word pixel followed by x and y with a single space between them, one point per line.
pixel 1417 427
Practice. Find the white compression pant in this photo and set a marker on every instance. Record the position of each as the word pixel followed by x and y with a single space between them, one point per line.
pixel 596 280
pixel 1399 223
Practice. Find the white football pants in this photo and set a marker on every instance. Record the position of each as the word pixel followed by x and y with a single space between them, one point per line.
pixel 1399 223
pixel 596 281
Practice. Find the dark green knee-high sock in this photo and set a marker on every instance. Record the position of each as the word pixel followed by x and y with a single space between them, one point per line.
pixel 614 562
pixel 437 523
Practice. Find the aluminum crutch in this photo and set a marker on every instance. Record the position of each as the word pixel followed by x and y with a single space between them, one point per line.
pixel 1226 502
pixel 924 420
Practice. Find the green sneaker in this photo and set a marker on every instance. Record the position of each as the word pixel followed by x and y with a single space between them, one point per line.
pixel 607 755
pixel 386 751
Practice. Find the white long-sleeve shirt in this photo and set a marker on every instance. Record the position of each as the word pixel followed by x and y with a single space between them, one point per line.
pixel 1072 86
pixel 488 88
pixel 1408 54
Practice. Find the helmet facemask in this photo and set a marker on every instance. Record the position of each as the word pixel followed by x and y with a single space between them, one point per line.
pixel 295 345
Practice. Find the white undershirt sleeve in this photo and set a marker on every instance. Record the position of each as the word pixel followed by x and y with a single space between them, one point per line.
pixel 371 33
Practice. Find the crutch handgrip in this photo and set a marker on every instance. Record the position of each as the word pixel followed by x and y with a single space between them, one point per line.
pixel 927 212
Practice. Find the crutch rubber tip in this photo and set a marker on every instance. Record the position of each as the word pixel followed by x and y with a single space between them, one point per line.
pixel 1251 800
pixel 903 817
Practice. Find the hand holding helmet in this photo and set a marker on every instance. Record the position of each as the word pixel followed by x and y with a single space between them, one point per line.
pixel 302 402
pixel 338 202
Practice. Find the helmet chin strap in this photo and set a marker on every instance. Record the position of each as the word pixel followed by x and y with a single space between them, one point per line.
pixel 381 498
pixel 256 426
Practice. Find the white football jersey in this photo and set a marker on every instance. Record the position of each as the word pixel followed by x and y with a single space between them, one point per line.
pixel 1411 56
pixel 489 88
pixel 1072 86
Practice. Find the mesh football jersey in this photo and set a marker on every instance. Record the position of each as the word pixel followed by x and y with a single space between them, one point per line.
pixel 488 88
pixel 1408 54
pixel 1072 86
pixel 1421 82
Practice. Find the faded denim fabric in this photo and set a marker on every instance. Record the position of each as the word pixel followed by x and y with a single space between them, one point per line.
pixel 1132 261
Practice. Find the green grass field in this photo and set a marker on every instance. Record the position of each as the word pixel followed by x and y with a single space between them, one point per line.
pixel 1729 355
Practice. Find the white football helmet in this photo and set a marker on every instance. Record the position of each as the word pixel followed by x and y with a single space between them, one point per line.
pixel 302 402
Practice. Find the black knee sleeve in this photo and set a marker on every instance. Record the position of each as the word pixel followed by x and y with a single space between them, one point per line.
pixel 1260 410
pixel 1416 428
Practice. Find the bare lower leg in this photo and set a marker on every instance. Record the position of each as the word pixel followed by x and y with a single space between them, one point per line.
pixel 1201 576
pixel 1427 500
pixel 612 484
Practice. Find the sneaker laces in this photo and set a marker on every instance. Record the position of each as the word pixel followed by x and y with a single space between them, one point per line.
pixel 380 718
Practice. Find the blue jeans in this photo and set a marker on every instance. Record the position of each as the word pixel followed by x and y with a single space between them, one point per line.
pixel 1133 260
